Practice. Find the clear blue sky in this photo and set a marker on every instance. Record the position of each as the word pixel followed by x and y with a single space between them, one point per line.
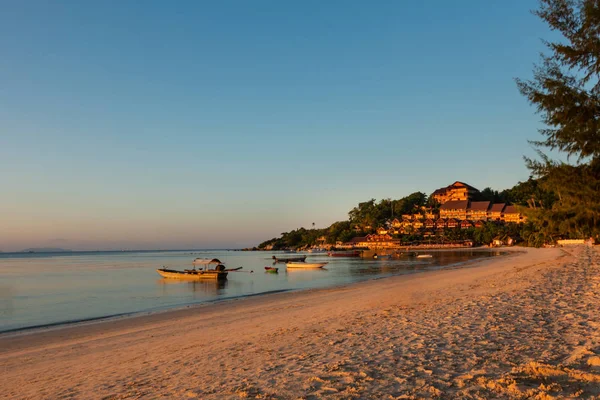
pixel 219 124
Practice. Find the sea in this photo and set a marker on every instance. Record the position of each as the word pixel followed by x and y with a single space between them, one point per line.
pixel 50 289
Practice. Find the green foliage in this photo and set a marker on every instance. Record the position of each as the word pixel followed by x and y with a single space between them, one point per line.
pixel 566 91
pixel 373 214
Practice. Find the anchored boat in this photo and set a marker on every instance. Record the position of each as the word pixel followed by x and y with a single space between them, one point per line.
pixel 288 259
pixel 218 272
pixel 305 265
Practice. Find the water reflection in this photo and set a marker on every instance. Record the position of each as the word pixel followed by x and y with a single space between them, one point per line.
pixel 6 301
pixel 208 287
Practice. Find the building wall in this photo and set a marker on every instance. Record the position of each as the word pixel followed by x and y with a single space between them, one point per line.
pixel 457 214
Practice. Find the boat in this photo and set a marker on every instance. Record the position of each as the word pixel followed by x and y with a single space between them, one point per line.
pixel 354 253
pixel 305 265
pixel 284 260
pixel 219 272
pixel 271 269
pixel 317 250
pixel 424 256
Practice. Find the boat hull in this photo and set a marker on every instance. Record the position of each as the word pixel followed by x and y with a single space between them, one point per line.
pixel 197 275
pixel 284 260
pixel 305 265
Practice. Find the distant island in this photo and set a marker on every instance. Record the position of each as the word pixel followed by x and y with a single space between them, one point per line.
pixel 46 250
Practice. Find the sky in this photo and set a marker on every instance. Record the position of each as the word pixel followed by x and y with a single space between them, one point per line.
pixel 198 124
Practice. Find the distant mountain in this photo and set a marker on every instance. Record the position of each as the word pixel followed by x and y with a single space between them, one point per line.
pixel 45 250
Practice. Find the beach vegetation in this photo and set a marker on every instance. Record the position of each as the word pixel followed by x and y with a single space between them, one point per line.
pixel 565 90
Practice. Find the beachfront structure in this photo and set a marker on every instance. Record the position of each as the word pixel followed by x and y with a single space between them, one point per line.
pixel 511 214
pixel 396 223
pixel 478 210
pixel 454 209
pixel 429 223
pixel 417 224
pixel 440 223
pixel 495 211
pixel 455 192
pixel 378 238
pixel 465 224
pixel 452 223
pixel 479 224
pixel 381 231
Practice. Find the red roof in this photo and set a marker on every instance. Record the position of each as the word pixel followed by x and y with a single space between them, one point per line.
pixel 511 210
pixel 459 183
pixel 479 205
pixel 455 205
pixel 498 207
pixel 454 185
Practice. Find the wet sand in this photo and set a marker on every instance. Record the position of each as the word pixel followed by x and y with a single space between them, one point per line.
pixel 520 326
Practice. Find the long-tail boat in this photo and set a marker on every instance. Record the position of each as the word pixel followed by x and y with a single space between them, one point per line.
pixel 289 259
pixel 219 272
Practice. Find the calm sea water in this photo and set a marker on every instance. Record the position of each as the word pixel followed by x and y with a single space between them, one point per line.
pixel 54 288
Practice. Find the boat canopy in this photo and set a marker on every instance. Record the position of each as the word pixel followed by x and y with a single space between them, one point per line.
pixel 206 261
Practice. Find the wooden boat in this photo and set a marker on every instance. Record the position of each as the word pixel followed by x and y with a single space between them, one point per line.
pixel 193 273
pixel 354 253
pixel 305 265
pixel 284 260
pixel 219 272
pixel 271 269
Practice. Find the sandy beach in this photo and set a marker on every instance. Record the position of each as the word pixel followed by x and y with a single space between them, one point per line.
pixel 522 326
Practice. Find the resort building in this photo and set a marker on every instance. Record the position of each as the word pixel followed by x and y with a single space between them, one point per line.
pixel 452 223
pixel 381 231
pixel 429 224
pixel 440 223
pixel 456 191
pixel 510 214
pixel 454 209
pixel 478 210
pixel 396 223
pixel 495 211
pixel 465 224
pixel 379 238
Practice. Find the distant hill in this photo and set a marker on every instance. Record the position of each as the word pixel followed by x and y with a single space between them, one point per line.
pixel 45 250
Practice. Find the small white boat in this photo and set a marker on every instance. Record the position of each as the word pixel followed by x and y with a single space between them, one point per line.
pixel 424 256
pixel 305 265
pixel 317 250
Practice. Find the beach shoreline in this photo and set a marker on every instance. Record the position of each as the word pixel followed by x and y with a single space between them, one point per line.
pixel 418 335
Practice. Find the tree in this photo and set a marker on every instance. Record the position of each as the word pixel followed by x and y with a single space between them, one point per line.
pixel 565 89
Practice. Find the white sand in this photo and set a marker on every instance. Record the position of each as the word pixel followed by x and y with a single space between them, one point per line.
pixel 518 327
